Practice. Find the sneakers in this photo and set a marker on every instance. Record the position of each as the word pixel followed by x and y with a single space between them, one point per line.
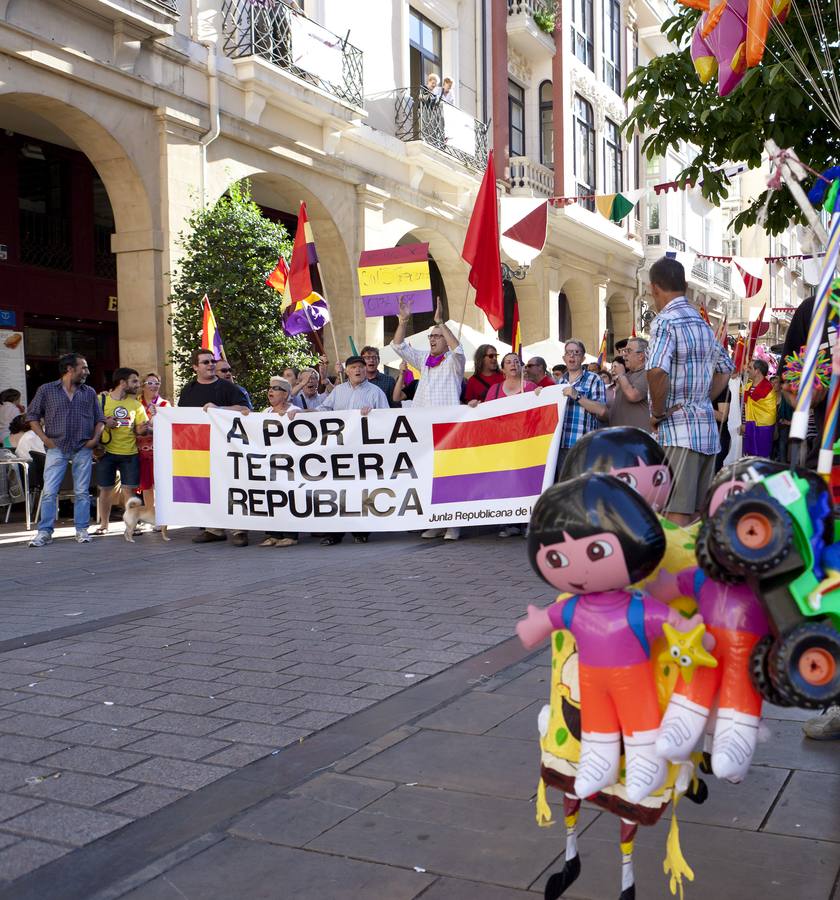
pixel 452 534
pixel 822 728
pixel 41 539
pixel 82 536
pixel 285 542
pixel 430 533
pixel 510 531
pixel 239 539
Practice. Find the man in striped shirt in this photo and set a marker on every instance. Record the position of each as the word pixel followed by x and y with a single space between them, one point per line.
pixel 686 368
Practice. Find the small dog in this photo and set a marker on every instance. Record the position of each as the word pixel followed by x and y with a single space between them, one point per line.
pixel 135 513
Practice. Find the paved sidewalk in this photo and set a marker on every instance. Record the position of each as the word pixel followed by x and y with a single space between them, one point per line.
pixel 192 661
pixel 433 798
pixel 141 756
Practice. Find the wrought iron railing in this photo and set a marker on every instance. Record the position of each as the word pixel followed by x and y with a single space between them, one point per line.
pixel 721 275
pixel 529 178
pixel 45 240
pixel 168 5
pixel 700 270
pixel 421 116
pixel 675 243
pixel 274 31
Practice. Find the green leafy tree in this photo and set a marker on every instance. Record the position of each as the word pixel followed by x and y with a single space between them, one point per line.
pixel 228 250
pixel 774 100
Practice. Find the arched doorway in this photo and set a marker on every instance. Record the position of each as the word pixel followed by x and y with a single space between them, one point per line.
pixel 67 191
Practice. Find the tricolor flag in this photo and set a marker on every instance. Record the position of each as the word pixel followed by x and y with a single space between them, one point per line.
pixel 303 309
pixel 616 206
pixel 279 276
pixel 704 313
pixel 211 337
pixel 516 332
pixel 602 351
pixel 190 463
pixel 492 459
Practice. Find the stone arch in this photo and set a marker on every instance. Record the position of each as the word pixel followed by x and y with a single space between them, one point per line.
pixel 130 171
pixel 284 191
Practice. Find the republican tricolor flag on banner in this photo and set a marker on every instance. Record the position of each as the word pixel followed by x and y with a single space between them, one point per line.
pixel 602 350
pixel 211 337
pixel 492 459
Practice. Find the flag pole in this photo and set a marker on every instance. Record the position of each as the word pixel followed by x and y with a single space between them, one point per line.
pixel 463 313
pixel 331 323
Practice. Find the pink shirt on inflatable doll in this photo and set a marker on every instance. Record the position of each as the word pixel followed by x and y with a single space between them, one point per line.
pixel 602 630
pixel 731 606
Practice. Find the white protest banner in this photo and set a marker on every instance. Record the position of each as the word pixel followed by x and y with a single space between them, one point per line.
pixel 392 470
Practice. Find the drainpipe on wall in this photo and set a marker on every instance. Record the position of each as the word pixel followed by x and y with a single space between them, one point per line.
pixel 215 115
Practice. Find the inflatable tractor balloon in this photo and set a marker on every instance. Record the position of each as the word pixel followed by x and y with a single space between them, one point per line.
pixel 591 538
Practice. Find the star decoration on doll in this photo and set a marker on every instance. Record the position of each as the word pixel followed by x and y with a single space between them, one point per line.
pixel 686 649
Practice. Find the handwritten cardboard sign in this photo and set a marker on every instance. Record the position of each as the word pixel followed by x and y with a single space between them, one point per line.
pixel 387 275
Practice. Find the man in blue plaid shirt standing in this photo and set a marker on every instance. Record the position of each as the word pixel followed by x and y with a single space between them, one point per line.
pixel 687 367
pixel 586 400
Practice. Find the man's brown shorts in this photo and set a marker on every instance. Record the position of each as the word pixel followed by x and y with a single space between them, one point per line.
pixel 692 472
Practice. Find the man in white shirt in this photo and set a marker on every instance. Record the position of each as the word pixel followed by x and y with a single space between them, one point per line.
pixel 441 375
pixel 355 393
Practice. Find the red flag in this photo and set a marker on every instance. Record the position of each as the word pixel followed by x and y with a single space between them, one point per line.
pixel 755 332
pixel 278 277
pixel 705 315
pixel 516 340
pixel 300 280
pixel 633 333
pixel 481 250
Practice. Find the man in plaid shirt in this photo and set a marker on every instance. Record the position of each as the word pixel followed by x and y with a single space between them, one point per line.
pixel 586 400
pixel 686 368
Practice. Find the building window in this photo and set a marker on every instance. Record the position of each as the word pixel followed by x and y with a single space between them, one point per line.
pixel 582 32
pixel 653 214
pixel 613 159
pixel 612 44
pixel 635 48
pixel 516 117
pixel 424 49
pixel 104 261
pixel 547 125
pixel 584 151
pixel 44 209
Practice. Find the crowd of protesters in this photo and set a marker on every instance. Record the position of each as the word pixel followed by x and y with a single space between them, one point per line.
pixel 675 384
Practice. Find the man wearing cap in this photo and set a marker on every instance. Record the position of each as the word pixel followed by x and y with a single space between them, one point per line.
pixel 355 393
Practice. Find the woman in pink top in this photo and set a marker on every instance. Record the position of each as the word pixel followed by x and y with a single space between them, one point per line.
pixel 514 383
pixel 151 400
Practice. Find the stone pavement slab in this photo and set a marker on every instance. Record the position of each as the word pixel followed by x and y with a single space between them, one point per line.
pixel 236 868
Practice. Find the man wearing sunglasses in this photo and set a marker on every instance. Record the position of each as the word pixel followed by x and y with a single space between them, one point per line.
pixel 208 391
pixel 224 371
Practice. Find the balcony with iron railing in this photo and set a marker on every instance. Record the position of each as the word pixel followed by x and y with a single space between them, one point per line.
pixel 421 116
pixel 529 27
pixel 276 33
pixel 700 270
pixel 721 276
pixel 150 18
pixel 529 178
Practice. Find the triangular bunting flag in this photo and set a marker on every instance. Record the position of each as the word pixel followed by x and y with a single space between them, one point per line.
pixel 524 223
pixel 748 272
pixel 615 207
